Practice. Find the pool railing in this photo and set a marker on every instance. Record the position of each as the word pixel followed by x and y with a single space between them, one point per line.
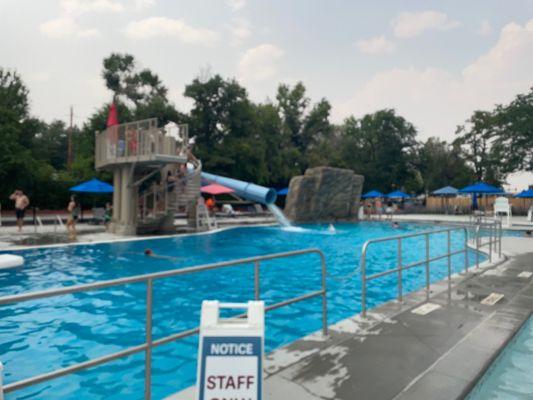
pixel 494 241
pixel 149 343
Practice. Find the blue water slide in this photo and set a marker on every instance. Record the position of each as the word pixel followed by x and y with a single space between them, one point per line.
pixel 246 190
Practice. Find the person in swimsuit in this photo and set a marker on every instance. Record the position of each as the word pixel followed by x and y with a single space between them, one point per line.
pixel 150 253
pixel 73 209
pixel 21 203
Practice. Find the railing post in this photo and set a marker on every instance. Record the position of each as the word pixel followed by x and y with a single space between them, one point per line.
pixel 500 241
pixel 449 240
pixel 1 381
pixel 363 282
pixel 490 241
pixel 427 266
pixel 148 352
pixel 467 262
pixel 256 281
pixel 324 296
pixel 399 259
pixel 477 247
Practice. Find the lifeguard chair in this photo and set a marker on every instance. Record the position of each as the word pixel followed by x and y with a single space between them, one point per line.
pixel 502 206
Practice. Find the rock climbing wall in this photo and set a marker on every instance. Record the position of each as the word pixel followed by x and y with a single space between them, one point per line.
pixel 324 194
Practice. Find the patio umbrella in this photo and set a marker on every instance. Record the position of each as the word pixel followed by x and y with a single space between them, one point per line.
pixel 373 194
pixel 283 192
pixel 93 186
pixel 398 194
pixel 216 189
pixel 480 188
pixel 445 193
pixel 525 194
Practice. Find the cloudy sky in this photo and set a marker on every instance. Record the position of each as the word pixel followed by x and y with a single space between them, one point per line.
pixel 433 61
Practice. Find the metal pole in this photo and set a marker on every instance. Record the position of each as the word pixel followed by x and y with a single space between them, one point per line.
pixel 1 381
pixel 324 296
pixel 466 250
pixel 490 241
pixel 363 283
pixel 500 241
pixel 477 248
pixel 256 280
pixel 427 265
pixel 400 283
pixel 449 255
pixel 148 352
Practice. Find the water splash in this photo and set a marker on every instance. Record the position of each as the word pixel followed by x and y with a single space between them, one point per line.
pixel 282 219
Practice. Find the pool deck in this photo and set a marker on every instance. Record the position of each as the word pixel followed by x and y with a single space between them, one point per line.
pixel 396 353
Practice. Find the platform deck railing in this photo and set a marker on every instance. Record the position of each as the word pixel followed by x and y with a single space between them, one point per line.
pixel 149 342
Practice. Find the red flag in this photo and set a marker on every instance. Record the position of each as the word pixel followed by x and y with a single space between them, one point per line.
pixel 112 117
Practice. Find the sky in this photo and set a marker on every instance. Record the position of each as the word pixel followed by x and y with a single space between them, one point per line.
pixel 435 62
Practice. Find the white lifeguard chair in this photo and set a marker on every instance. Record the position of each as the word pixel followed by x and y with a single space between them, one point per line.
pixel 502 206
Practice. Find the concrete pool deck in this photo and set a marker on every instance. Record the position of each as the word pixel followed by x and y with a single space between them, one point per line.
pixel 401 352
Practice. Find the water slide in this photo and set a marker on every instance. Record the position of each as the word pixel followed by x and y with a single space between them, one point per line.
pixel 246 190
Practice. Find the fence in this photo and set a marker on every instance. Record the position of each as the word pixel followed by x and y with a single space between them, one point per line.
pixel 494 229
pixel 463 204
pixel 149 343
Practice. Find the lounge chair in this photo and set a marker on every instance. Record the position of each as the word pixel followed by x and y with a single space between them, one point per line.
pixel 502 206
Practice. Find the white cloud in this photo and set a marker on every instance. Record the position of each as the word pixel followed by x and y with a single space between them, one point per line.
pixel 436 100
pixel 77 7
pixel 167 27
pixel 375 45
pixel 66 27
pixel 485 28
pixel 411 24
pixel 240 30
pixel 259 63
pixel 141 5
pixel 236 4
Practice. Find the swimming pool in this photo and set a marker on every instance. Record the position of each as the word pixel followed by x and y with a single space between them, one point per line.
pixel 42 335
pixel 511 375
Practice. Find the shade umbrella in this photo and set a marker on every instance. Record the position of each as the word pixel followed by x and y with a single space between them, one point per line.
pixel 398 194
pixel 480 188
pixel 525 194
pixel 93 186
pixel 283 192
pixel 445 192
pixel 373 194
pixel 216 189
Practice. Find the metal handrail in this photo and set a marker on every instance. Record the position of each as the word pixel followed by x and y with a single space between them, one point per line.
pixel 401 267
pixel 495 238
pixel 149 342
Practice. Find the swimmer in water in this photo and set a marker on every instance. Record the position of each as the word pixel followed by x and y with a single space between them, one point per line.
pixel 150 253
pixel 395 225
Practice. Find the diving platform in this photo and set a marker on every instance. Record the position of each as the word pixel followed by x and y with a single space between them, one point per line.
pixel 141 143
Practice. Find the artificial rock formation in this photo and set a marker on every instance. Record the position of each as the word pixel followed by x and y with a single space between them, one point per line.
pixel 324 194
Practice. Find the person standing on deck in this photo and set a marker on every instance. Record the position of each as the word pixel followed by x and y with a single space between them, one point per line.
pixel 73 209
pixel 21 203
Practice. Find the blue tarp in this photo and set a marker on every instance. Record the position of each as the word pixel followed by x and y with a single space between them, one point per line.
pixel 481 188
pixel 283 192
pixel 93 186
pixel 445 191
pixel 525 194
pixel 398 194
pixel 372 194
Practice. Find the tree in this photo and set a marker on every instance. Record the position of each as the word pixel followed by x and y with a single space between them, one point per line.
pixel 380 146
pixel 513 144
pixel 475 139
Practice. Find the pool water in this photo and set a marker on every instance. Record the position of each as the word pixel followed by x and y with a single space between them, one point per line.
pixel 43 335
pixel 510 377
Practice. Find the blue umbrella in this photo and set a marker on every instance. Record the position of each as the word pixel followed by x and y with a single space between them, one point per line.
pixel 398 194
pixel 93 186
pixel 373 194
pixel 525 194
pixel 481 188
pixel 445 191
pixel 283 192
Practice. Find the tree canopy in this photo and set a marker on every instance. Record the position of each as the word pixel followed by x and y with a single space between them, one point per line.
pixel 263 142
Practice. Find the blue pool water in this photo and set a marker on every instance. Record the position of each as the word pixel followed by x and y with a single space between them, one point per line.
pixel 42 335
pixel 510 377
